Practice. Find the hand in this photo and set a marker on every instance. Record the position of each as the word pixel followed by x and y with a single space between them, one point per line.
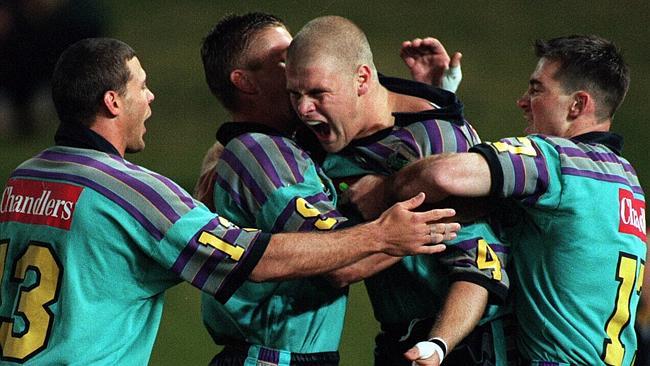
pixel 413 354
pixel 429 63
pixel 204 188
pixel 405 232
pixel 367 196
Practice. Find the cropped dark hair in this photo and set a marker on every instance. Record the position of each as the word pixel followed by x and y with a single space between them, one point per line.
pixel 223 51
pixel 84 72
pixel 589 63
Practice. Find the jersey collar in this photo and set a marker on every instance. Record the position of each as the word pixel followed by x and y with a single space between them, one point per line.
pixel 230 130
pixel 77 135
pixel 612 140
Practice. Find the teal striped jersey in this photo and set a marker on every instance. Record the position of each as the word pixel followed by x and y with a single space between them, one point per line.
pixel 89 242
pixel 265 180
pixel 578 245
pixel 416 286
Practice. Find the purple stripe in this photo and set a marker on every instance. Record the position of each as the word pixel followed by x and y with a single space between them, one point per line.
pixel 244 176
pixel 379 149
pixel 470 244
pixel 269 355
pixel 461 140
pixel 290 159
pixel 406 137
pixel 262 158
pixel 601 176
pixel 596 156
pixel 520 174
pixel 435 136
pixel 229 190
pixel 191 247
pixel 464 263
pixel 132 210
pixel 541 185
pixel 208 267
pixel 284 216
pixel 148 192
pixel 182 195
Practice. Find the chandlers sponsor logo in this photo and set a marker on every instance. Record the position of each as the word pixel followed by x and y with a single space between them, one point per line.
pixel 632 214
pixel 39 202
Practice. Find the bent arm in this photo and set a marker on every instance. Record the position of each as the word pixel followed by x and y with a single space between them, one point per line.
pixel 440 176
pixel 461 312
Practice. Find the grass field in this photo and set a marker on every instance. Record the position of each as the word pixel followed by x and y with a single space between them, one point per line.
pixel 495 38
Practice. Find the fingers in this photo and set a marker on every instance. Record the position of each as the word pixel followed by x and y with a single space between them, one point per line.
pixel 440 232
pixel 435 214
pixel 430 249
pixel 414 202
pixel 455 59
pixel 412 354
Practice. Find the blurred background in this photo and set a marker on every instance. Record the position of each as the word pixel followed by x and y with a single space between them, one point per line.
pixel 495 38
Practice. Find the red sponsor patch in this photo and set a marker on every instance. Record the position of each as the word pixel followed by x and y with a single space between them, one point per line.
pixel 38 202
pixel 632 214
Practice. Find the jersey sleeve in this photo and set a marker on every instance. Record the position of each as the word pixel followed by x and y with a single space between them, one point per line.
pixel 217 256
pixel 522 168
pixel 477 255
pixel 150 215
pixel 269 181
pixel 439 136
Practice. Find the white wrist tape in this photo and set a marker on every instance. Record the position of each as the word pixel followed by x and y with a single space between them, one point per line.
pixel 428 348
pixel 451 79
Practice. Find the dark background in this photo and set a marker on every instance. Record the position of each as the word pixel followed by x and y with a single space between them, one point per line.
pixel 495 38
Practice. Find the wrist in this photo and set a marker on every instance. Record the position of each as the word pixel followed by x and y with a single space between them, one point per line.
pixel 433 346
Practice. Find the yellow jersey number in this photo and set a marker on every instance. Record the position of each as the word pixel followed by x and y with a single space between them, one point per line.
pixel 35 298
pixel 630 282
pixel 487 259
pixel 307 211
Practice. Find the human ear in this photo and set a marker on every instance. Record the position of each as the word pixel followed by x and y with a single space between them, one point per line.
pixel 363 78
pixel 113 102
pixel 242 81
pixel 581 103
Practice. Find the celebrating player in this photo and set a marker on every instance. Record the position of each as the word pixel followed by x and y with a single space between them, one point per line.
pixel 577 210
pixel 265 179
pixel 89 242
pixel 378 127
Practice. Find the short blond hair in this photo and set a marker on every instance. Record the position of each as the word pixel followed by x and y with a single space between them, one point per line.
pixel 334 39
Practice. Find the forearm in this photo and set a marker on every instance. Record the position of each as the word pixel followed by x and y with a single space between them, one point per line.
pixel 293 255
pixel 461 312
pixel 441 176
pixel 397 232
pixel 361 270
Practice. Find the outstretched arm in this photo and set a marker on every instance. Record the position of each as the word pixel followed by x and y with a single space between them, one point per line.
pixel 443 175
pixel 378 262
pixel 429 63
pixel 399 231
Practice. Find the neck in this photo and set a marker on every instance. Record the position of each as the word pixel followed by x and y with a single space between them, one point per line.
pixel 107 129
pixel 581 127
pixel 377 111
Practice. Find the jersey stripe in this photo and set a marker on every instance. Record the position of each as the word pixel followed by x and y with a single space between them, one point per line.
pixel 246 180
pixel 125 178
pixel 128 207
pixel 183 196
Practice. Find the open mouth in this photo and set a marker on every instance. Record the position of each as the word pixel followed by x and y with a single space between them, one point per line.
pixel 321 129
